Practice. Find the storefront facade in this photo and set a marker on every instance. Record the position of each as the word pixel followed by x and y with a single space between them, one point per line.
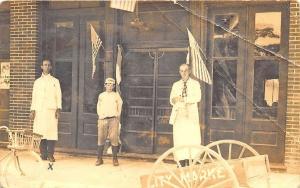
pixel 253 97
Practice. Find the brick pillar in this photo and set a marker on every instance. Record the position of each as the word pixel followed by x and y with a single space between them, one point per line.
pixel 292 145
pixel 24 50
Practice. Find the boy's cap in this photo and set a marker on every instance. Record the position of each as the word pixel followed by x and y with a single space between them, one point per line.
pixel 110 81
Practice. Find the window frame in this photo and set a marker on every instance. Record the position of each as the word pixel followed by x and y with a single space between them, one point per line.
pixel 5 20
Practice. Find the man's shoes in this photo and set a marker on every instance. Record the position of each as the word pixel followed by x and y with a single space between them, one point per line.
pixel 99 162
pixel 51 159
pixel 115 161
pixel 43 157
pixel 183 163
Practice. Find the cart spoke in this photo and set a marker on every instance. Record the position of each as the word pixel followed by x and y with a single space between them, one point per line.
pixel 173 174
pixel 219 151
pixel 242 152
pixel 229 152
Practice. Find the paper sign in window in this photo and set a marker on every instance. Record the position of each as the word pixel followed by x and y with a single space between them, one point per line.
pixel 271 91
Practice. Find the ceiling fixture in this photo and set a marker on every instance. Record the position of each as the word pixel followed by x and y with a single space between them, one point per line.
pixel 137 23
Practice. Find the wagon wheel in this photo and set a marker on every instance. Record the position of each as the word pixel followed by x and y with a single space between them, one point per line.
pixel 232 149
pixel 199 173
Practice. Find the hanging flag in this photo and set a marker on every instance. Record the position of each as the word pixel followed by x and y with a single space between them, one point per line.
pixel 96 43
pixel 119 79
pixel 198 67
pixel 119 68
pixel 127 5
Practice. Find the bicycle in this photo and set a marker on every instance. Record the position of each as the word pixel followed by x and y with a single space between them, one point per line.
pixel 23 167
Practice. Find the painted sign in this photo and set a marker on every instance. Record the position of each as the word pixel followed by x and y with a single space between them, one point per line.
pixel 249 171
pixel 208 174
pixel 4 75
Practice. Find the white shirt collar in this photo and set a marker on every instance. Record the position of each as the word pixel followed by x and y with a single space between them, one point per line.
pixel 46 76
pixel 186 80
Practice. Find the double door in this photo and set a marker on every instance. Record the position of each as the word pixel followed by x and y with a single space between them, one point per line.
pixel 148 75
pixel 247 99
pixel 68 45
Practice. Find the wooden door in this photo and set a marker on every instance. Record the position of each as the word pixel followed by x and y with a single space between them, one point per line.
pixel 62 49
pixel 69 47
pixel 148 77
pixel 248 95
pixel 89 88
pixel 225 107
pixel 266 81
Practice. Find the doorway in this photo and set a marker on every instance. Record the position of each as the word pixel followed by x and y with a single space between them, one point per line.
pixel 69 47
pixel 148 75
pixel 247 100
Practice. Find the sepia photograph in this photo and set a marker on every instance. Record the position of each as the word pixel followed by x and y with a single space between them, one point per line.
pixel 149 93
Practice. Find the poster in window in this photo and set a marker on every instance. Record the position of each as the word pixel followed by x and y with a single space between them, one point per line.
pixel 4 75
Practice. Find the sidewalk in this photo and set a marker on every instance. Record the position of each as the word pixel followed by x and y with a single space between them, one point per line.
pixel 80 172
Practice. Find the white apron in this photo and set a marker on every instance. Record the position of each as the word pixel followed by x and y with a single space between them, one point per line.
pixel 46 99
pixel 185 118
pixel 185 132
pixel 45 124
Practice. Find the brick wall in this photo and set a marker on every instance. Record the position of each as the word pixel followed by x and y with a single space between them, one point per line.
pixel 24 50
pixel 292 149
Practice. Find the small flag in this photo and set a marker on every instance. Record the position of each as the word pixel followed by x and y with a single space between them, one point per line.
pixel 119 78
pixel 119 68
pixel 96 43
pixel 198 67
pixel 128 5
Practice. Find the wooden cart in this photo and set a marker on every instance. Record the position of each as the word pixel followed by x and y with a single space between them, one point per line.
pixel 221 164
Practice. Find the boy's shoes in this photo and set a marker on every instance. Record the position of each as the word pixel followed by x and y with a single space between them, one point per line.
pixel 99 162
pixel 115 162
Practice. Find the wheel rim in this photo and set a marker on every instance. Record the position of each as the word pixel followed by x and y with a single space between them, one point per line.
pixel 232 149
pixel 28 172
pixel 168 175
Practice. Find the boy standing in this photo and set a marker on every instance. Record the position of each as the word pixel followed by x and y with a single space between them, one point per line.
pixel 109 109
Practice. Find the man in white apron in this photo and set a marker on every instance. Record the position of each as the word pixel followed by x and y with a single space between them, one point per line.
pixel 184 98
pixel 45 110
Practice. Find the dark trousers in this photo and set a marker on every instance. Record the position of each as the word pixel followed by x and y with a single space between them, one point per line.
pixel 47 147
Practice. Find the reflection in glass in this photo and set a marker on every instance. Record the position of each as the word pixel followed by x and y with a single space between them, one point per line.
pixel 224 92
pixel 226 44
pixel 4 41
pixel 65 39
pixel 265 89
pixel 92 87
pixel 63 72
pixel 267 31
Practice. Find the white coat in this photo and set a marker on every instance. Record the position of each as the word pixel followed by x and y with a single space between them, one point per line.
pixel 185 117
pixel 46 99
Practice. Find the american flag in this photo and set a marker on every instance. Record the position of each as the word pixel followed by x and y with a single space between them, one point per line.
pixel 127 5
pixel 96 43
pixel 198 67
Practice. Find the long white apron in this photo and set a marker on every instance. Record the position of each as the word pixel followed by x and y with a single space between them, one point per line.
pixel 186 131
pixel 46 124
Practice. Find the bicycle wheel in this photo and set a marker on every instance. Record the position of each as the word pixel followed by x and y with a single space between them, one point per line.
pixel 24 169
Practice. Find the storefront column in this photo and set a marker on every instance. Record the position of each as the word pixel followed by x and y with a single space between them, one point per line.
pixel 24 55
